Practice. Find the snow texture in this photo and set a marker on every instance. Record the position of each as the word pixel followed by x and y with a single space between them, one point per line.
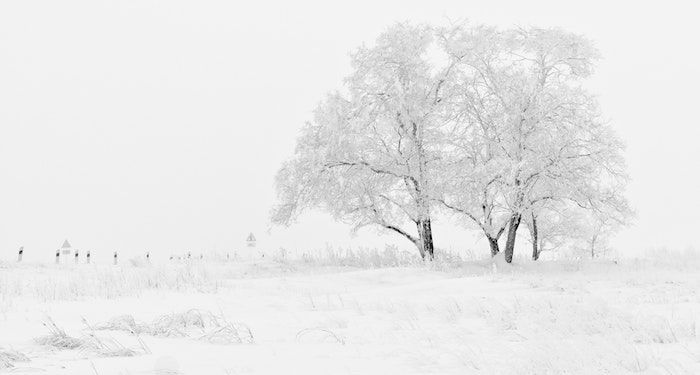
pixel 282 316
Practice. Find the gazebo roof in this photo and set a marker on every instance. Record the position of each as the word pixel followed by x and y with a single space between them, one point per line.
pixel 251 237
pixel 66 245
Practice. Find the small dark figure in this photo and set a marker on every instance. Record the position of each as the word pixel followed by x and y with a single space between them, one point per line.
pixel 76 257
pixel 115 258
pixel 171 257
pixel 148 256
pixel 88 257
pixel 201 256
pixel 228 256
pixel 21 251
pixel 189 255
pixel 58 254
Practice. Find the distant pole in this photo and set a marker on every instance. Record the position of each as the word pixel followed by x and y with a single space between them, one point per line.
pixel 58 254
pixel 115 258
pixel 88 257
pixel 21 251
pixel 76 256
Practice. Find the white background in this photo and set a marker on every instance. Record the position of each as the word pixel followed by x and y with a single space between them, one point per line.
pixel 159 125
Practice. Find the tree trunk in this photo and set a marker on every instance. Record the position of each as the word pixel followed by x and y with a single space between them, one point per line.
pixel 428 239
pixel 425 239
pixel 533 234
pixel 510 242
pixel 493 244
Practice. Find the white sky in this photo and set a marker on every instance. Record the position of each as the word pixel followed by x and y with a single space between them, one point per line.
pixel 159 125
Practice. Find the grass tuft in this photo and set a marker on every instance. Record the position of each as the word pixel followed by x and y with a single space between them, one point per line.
pixel 9 357
pixel 197 324
pixel 89 342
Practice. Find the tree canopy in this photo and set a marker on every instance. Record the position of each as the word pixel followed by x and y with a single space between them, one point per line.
pixel 492 125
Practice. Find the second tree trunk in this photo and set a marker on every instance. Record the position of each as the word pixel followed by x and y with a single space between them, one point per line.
pixel 510 242
pixel 535 244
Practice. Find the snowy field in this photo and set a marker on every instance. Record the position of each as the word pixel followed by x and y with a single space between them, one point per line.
pixel 317 317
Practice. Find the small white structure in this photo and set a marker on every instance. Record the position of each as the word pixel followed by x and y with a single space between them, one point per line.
pixel 65 251
pixel 66 248
pixel 250 240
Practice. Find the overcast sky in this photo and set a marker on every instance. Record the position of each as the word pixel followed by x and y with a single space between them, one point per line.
pixel 159 125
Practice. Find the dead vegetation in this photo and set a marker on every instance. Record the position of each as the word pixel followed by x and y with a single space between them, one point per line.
pixel 8 357
pixel 196 324
pixel 88 342
pixel 319 335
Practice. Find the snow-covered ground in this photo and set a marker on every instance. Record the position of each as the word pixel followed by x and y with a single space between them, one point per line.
pixel 271 317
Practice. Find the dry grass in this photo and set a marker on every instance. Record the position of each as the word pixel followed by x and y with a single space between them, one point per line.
pixel 47 283
pixel 88 342
pixel 9 357
pixel 366 258
pixel 319 335
pixel 58 338
pixel 196 324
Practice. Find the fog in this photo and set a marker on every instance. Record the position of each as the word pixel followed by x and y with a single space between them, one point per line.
pixel 159 126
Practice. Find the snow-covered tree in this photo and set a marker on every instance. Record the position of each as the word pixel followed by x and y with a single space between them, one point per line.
pixel 493 125
pixel 472 161
pixel 370 157
pixel 532 133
